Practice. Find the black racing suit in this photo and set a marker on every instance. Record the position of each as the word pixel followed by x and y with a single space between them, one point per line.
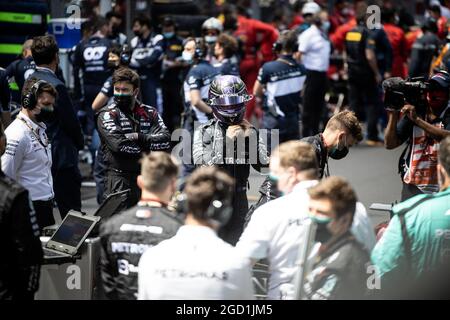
pixel 124 239
pixel 341 272
pixel 268 192
pixel 19 243
pixel 122 154
pixel 212 147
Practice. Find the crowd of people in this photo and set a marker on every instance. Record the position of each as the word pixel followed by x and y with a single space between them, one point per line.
pixel 186 230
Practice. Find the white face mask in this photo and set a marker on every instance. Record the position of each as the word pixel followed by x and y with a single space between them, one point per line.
pixel 187 56
pixel 210 39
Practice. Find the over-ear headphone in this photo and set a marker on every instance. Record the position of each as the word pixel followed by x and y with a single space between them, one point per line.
pixel 29 100
pixel 283 37
pixel 125 55
pixel 219 210
pixel 200 51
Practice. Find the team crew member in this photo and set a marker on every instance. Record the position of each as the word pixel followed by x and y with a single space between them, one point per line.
pixel 231 143
pixel 114 23
pixel 127 235
pixel 195 263
pixel 91 57
pixel 196 88
pixel 341 132
pixel 64 130
pixel 211 29
pixel 280 83
pixel 424 49
pixel 5 99
pixel 118 57
pixel 28 157
pixel 127 129
pixel 340 268
pixel 276 227
pixel 19 240
pixel 397 39
pixel 414 247
pixel 148 52
pixel 174 69
pixel 225 50
pixel 314 51
pixel 363 74
pixel 20 70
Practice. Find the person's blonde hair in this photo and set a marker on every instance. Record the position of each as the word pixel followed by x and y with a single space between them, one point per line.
pixel 346 120
pixel 297 154
pixel 158 169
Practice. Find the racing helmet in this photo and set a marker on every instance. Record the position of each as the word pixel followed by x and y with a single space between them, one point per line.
pixel 228 97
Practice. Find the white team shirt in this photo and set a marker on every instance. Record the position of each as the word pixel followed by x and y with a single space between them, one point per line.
pixel 195 264
pixel 28 160
pixel 276 230
pixel 315 49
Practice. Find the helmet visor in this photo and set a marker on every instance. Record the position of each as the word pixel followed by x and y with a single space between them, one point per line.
pixel 231 100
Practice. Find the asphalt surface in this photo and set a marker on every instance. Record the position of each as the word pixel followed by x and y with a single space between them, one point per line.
pixel 372 171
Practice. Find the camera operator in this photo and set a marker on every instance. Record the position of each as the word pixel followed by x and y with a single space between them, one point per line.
pixel 423 127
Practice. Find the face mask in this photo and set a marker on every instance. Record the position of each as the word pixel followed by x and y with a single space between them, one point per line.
pixel 45 115
pixel 124 101
pixel 337 154
pixel 187 56
pixel 326 26
pixel 168 35
pixel 210 39
pixel 115 30
pixel 137 34
pixel 273 179
pixel 322 232
pixel 113 64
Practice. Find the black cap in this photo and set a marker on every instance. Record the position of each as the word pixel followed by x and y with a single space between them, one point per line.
pixel 168 22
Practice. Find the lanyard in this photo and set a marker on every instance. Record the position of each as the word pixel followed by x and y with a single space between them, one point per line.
pixel 38 138
pixel 327 172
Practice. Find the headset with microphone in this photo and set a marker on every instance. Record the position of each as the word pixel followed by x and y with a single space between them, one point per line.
pixel 29 100
pixel 125 55
pixel 219 210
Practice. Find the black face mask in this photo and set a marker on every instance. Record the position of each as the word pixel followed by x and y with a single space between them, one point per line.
pixel 112 65
pixel 46 115
pixel 138 34
pixel 322 233
pixel 338 154
pixel 124 101
pixel 115 30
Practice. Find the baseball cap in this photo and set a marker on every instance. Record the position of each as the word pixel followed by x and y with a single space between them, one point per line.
pixel 442 78
pixel 310 8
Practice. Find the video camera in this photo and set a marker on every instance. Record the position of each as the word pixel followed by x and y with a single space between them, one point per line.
pixel 398 92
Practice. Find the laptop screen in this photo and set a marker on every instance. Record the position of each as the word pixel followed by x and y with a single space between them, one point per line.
pixel 112 204
pixel 72 231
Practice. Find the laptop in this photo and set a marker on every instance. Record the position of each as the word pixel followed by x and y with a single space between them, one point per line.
pixel 112 204
pixel 70 235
